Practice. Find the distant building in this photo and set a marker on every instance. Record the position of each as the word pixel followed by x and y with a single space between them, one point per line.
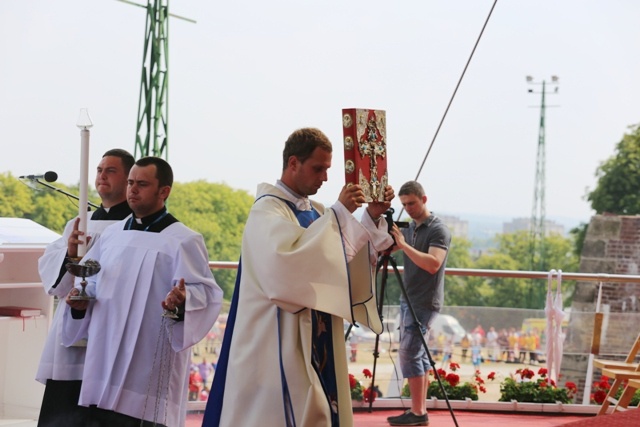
pixel 524 224
pixel 457 226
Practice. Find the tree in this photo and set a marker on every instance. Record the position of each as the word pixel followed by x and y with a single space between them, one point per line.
pixel 512 254
pixel 216 211
pixel 53 210
pixel 579 233
pixel 37 203
pixel 15 197
pixel 618 187
pixel 219 213
pixel 459 290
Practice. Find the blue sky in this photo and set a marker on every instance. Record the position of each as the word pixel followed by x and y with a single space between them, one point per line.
pixel 250 72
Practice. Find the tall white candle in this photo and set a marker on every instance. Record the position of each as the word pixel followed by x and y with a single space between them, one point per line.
pixel 84 123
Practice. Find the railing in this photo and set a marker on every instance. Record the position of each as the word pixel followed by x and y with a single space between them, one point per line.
pixel 586 277
pixel 469 272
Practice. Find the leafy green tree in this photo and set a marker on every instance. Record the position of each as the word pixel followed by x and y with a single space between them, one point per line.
pixel 459 290
pixel 38 203
pixel 216 211
pixel 512 253
pixel 500 291
pixel 219 213
pixel 618 187
pixel 52 209
pixel 579 233
pixel 15 197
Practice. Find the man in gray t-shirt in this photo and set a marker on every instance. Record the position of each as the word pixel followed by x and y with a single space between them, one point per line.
pixel 425 244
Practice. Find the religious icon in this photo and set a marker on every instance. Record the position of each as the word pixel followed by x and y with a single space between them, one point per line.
pixel 349 167
pixel 87 269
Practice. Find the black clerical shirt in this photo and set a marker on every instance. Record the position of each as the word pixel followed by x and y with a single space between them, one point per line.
pixel 114 213
pixel 154 223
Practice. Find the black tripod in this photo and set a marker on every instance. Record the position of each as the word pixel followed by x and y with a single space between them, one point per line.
pixel 383 264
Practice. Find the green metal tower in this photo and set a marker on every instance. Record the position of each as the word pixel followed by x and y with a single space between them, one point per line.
pixel 152 124
pixel 537 231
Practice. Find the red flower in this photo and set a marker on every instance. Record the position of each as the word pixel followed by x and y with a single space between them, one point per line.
pixel 527 373
pixel 352 381
pixel 453 379
pixel 366 373
pixel 543 384
pixel 603 383
pixel 369 395
pixel 454 366
pixel 442 372
pixel 599 396
pixel 491 376
pixel 542 372
pixel 483 389
pixel 571 386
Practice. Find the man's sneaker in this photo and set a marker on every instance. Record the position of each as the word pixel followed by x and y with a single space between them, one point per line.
pixel 409 419
pixel 395 417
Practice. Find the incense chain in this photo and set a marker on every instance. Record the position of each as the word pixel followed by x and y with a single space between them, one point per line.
pixel 165 371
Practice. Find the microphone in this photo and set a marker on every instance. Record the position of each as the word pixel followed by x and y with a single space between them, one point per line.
pixel 48 176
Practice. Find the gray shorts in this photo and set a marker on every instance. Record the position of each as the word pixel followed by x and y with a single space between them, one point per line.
pixel 412 355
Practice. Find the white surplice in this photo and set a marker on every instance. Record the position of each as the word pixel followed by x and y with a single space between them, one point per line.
pixel 288 271
pixel 57 361
pixel 125 370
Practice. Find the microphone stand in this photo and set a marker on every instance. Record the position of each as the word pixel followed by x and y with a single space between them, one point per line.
pixel 59 190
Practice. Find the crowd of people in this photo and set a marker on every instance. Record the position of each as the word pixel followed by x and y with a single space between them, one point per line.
pixel 200 377
pixel 506 345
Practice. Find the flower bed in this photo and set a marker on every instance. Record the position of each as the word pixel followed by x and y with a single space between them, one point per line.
pixel 453 387
pixel 525 387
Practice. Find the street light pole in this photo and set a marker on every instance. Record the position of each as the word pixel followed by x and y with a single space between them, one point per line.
pixel 537 234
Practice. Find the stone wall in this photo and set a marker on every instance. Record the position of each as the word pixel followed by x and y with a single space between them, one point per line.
pixel 612 246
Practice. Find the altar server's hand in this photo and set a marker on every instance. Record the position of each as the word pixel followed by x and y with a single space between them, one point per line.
pixel 176 297
pixel 352 197
pixel 81 305
pixel 75 239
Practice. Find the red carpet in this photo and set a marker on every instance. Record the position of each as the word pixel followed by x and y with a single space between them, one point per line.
pixel 439 418
pixel 442 418
pixel 618 419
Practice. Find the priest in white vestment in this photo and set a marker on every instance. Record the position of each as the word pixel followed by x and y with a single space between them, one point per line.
pixel 304 269
pixel 136 368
